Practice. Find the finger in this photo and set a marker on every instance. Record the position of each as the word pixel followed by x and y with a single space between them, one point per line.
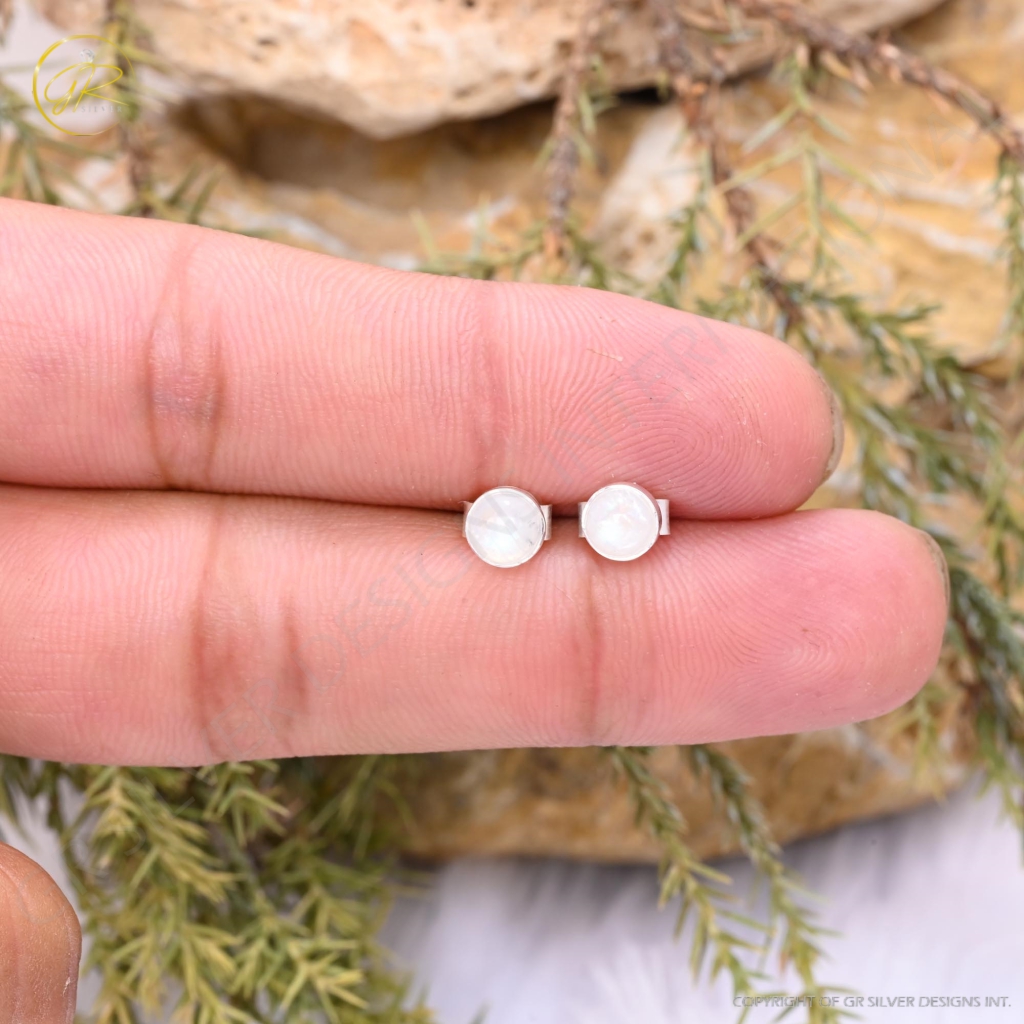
pixel 40 945
pixel 138 354
pixel 145 628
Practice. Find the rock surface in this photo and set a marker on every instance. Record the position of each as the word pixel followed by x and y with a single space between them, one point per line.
pixel 392 67
pixel 569 803
pixel 934 231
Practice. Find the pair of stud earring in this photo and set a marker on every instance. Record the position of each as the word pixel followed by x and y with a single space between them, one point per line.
pixel 506 526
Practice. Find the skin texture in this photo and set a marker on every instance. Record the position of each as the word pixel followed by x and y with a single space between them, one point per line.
pixel 229 476
pixel 40 944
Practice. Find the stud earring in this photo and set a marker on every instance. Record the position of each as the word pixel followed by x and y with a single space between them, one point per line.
pixel 622 521
pixel 506 526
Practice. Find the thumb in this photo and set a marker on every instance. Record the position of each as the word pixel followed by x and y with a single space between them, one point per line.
pixel 40 945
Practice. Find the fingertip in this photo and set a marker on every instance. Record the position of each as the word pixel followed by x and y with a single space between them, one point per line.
pixel 932 594
pixel 730 422
pixel 904 577
pixel 40 945
pixel 803 622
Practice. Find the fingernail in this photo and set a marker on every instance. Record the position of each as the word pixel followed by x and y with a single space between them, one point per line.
pixel 838 429
pixel 941 564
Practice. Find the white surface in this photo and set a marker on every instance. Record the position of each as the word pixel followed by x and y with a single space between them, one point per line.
pixel 928 904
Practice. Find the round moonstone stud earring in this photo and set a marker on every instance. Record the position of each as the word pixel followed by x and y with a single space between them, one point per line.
pixel 506 526
pixel 622 521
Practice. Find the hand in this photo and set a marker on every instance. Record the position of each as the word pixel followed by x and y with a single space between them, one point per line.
pixel 227 528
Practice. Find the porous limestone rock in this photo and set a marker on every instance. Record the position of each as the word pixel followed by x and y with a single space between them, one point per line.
pixel 390 67
pixel 569 803
pixel 934 232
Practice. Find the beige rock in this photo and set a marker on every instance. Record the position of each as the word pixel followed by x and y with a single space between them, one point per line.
pixel 934 232
pixel 569 803
pixel 390 67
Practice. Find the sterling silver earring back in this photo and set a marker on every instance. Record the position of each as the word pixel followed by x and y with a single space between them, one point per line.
pixel 506 526
pixel 622 521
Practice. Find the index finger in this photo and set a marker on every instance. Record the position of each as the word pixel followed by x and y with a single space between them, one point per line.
pixel 140 354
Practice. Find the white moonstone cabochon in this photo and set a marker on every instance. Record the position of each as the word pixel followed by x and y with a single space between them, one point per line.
pixel 505 527
pixel 621 522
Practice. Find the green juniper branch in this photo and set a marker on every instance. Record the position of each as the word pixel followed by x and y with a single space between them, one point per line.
pixel 799 943
pixel 717 942
pixel 30 157
pixel 1010 192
